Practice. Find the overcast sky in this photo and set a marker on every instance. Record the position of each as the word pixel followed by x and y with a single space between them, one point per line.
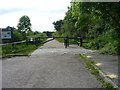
pixel 42 13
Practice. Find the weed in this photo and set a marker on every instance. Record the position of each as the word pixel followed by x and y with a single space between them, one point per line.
pixel 90 65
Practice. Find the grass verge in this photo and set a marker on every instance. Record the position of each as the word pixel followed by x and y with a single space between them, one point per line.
pixel 90 65
pixel 18 50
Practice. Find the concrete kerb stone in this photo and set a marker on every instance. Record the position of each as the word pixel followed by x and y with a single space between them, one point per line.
pixel 105 78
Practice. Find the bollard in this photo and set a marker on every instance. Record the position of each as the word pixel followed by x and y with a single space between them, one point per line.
pixel 81 41
pixel 65 42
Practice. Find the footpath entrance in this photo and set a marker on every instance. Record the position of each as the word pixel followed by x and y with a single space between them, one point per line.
pixel 53 66
pixel 66 40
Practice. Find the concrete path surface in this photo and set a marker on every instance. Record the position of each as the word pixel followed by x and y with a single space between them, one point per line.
pixel 50 66
pixel 107 63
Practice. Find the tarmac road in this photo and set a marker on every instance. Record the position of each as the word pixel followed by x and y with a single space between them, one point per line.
pixel 51 66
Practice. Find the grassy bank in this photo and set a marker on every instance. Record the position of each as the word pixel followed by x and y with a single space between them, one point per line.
pixel 90 65
pixel 18 50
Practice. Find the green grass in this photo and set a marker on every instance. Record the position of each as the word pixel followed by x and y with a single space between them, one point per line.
pixel 60 40
pixel 71 41
pixel 109 48
pixel 90 65
pixel 18 50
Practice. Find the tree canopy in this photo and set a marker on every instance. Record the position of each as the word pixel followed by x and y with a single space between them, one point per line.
pixel 98 22
pixel 24 24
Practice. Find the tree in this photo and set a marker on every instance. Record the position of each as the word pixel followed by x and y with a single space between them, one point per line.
pixel 97 21
pixel 58 24
pixel 24 24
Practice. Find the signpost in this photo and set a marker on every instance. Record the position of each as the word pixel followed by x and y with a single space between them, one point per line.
pixel 5 34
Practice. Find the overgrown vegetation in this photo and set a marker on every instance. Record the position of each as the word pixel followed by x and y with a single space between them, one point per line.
pixel 97 22
pixel 17 50
pixel 90 65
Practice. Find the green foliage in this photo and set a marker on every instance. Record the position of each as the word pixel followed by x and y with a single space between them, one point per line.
pixel 17 36
pixel 30 33
pixel 57 25
pixel 109 48
pixel 20 49
pixel 24 24
pixel 108 86
pixel 98 23
pixel 59 39
pixel 38 34
pixel 22 33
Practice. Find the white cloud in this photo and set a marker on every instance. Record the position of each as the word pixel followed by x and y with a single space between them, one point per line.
pixel 41 12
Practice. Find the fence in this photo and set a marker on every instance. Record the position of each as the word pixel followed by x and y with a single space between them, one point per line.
pixel 13 43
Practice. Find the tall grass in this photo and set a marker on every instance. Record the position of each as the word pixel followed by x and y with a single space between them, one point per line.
pixel 18 49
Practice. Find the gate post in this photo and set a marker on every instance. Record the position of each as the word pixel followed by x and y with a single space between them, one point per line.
pixel 81 41
pixel 78 41
pixel 65 42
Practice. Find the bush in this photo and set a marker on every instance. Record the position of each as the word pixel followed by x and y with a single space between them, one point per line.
pixel 106 42
pixel 17 36
pixel 110 48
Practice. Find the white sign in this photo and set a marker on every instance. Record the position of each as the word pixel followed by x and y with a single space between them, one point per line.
pixel 6 35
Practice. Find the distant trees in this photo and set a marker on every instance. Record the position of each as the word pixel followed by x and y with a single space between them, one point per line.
pixel 24 30
pixel 48 33
pixel 58 25
pixel 24 24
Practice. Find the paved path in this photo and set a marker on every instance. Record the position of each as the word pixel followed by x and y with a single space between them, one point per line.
pixel 50 66
pixel 107 63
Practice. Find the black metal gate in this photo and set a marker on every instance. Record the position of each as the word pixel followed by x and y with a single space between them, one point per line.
pixel 66 40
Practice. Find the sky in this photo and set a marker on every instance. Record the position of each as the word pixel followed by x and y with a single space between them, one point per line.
pixel 42 13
